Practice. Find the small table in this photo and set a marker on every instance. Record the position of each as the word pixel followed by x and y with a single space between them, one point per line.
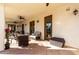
pixel 23 40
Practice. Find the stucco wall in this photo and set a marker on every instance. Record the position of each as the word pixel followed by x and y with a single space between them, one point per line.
pixel 65 24
pixel 2 25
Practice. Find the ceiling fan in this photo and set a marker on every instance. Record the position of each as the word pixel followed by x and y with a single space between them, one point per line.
pixel 21 17
pixel 17 22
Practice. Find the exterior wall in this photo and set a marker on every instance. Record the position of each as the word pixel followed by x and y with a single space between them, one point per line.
pixel 65 24
pixel 2 27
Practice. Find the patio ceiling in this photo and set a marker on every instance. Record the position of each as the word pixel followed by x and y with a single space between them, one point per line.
pixel 25 10
pixel 12 11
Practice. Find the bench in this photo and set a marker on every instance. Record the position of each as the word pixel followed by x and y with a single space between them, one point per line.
pixel 60 42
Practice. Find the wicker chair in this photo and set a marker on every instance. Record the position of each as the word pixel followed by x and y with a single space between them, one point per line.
pixel 36 35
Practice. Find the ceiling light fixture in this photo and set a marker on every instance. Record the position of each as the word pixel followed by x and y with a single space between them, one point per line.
pixel 47 4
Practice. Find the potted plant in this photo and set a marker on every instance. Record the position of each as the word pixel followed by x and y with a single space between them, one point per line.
pixel 7 44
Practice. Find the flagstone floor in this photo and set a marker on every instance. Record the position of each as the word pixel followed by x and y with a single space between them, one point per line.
pixel 39 48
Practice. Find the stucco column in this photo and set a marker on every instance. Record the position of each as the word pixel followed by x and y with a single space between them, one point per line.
pixel 2 27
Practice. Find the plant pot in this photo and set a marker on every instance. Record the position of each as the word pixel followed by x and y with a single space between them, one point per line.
pixel 7 45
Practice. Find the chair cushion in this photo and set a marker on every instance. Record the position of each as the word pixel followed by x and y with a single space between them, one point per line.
pixel 56 43
pixel 37 33
pixel 32 37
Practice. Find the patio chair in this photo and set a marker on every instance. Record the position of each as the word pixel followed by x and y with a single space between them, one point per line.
pixel 36 35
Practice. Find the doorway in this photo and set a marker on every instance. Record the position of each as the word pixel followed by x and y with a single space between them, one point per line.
pixel 23 29
pixel 32 27
pixel 47 27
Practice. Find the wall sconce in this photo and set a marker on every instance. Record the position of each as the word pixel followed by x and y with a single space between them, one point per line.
pixel 37 21
pixel 47 4
pixel 68 9
pixel 75 12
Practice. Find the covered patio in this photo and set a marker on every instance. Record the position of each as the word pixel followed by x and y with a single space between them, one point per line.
pixel 40 22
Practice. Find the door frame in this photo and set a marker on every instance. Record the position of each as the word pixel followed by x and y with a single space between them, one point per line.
pixel 45 24
pixel 31 26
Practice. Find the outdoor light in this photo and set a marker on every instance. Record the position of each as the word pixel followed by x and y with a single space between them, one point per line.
pixel 68 9
pixel 37 21
pixel 47 4
pixel 75 12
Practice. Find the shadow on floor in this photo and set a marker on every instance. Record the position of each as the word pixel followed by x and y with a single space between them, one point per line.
pixel 35 49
